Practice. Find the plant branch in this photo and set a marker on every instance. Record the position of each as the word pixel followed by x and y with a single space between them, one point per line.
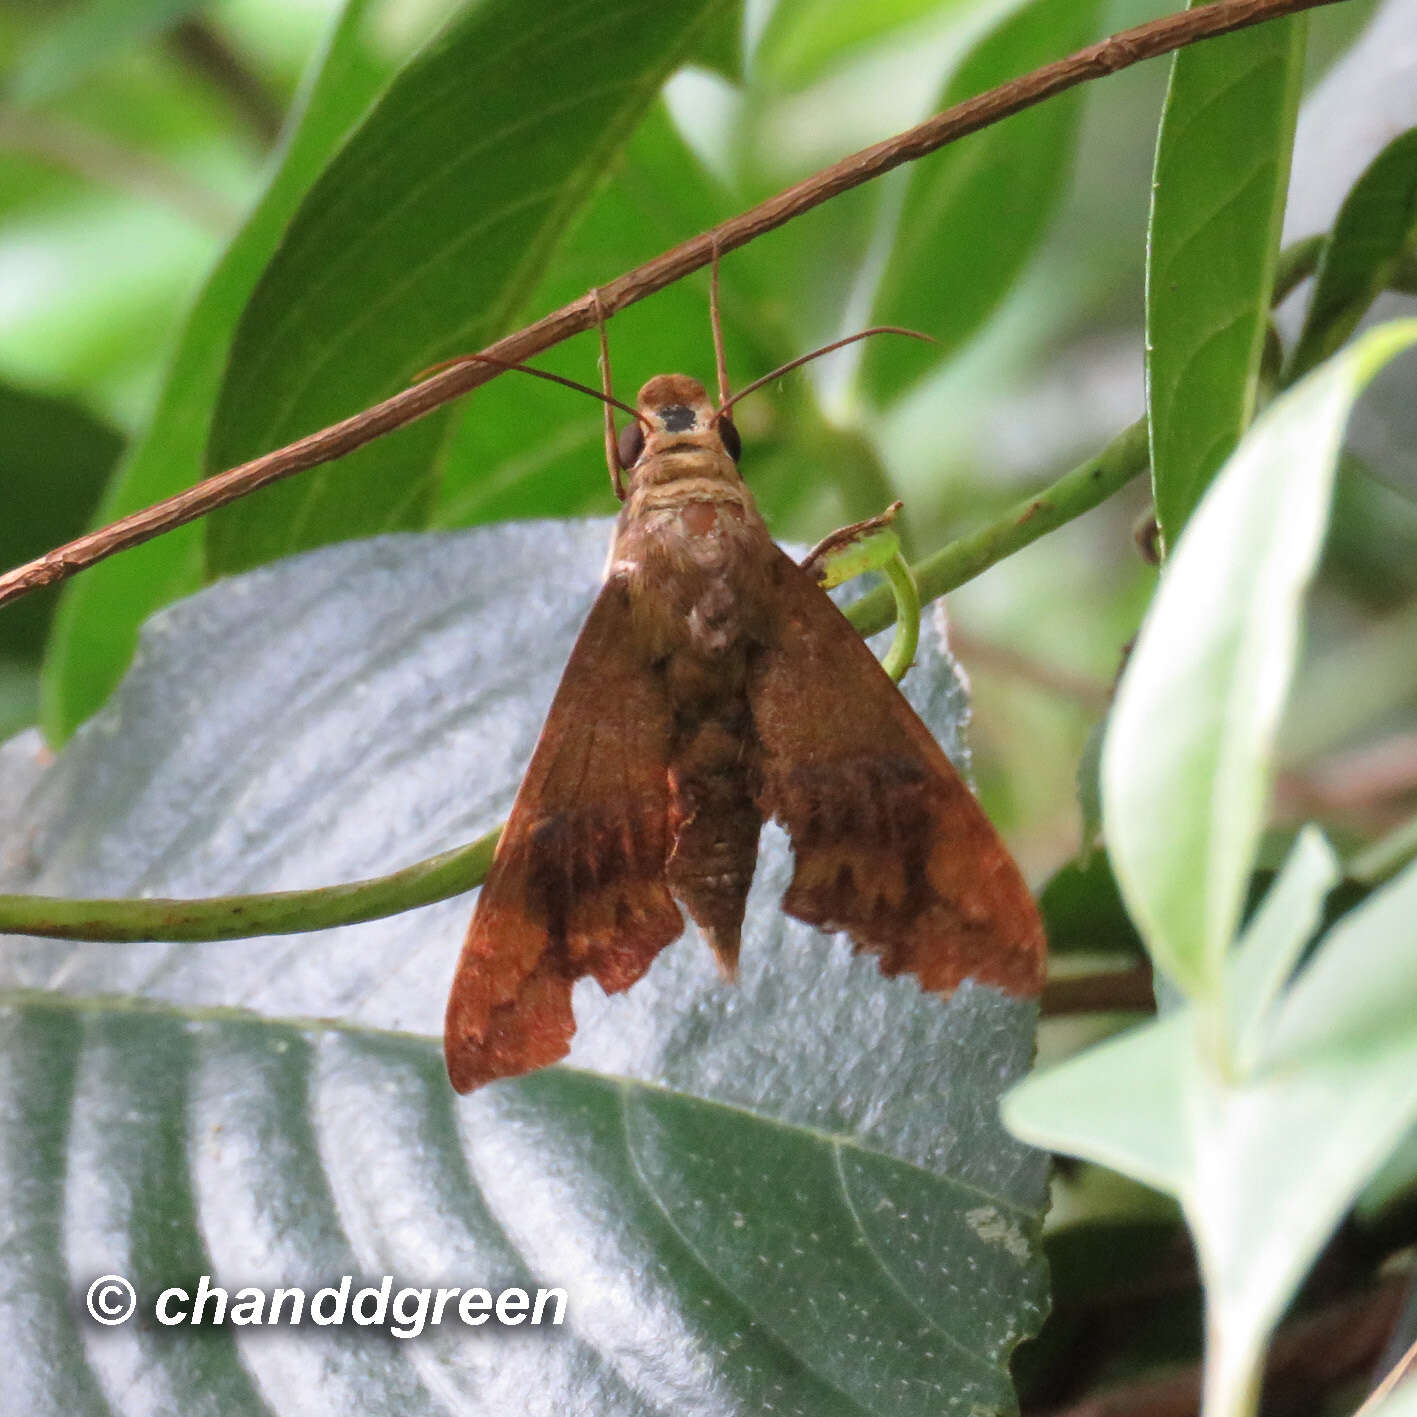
pixel 204 50
pixel 1147 41
pixel 1111 991
pixel 1295 265
pixel 286 912
pixel 1070 496
pixel 231 917
pixel 90 155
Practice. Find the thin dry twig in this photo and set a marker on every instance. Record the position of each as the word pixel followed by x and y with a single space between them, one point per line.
pixel 205 50
pixel 57 143
pixel 1147 41
pixel 1111 991
pixel 1398 1373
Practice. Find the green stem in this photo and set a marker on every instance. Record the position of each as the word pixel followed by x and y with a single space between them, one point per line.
pixel 1070 496
pixel 236 916
pixel 901 580
pixel 1295 265
pixel 452 873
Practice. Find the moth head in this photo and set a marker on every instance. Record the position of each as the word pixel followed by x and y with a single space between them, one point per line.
pixel 676 409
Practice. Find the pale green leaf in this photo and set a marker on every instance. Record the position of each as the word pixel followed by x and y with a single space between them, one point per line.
pixel 1121 1103
pixel 1187 762
pixel 1275 938
pixel 1265 1162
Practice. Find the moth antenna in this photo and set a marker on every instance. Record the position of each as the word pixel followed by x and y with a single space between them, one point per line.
pixel 716 320
pixel 612 442
pixel 817 354
pixel 527 369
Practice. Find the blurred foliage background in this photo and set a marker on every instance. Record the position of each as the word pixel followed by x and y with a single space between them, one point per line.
pixel 150 168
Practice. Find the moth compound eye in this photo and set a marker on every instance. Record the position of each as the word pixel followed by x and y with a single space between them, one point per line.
pixel 728 431
pixel 631 444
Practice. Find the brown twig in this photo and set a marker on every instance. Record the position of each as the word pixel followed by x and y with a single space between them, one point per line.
pixel 207 52
pixel 1112 991
pixel 57 143
pixel 1054 679
pixel 1399 1372
pixel 1147 41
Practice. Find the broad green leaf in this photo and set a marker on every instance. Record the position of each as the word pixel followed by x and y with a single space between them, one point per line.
pixel 976 212
pixel 96 627
pixel 1376 226
pixel 790 1193
pixel 1222 171
pixel 1187 761
pixel 86 35
pixel 1264 1162
pixel 421 240
pixel 54 460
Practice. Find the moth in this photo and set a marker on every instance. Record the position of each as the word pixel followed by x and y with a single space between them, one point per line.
pixel 715 685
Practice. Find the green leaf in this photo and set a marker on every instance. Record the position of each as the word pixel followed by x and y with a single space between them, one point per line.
pixel 96 627
pixel 421 240
pixel 1121 1103
pixel 522 449
pixel 975 213
pixel 804 38
pixel 54 460
pixel 1264 1163
pixel 720 48
pixel 1286 1153
pixel 793 1192
pixel 1222 171
pixel 1292 910
pixel 84 37
pixel 1083 911
pixel 1375 227
pixel 1188 756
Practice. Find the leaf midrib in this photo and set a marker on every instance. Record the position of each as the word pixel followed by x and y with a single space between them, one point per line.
pixel 31 999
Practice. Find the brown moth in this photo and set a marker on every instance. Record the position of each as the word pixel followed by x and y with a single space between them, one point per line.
pixel 715 685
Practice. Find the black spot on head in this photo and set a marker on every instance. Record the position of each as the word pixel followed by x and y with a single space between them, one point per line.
pixel 677 417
